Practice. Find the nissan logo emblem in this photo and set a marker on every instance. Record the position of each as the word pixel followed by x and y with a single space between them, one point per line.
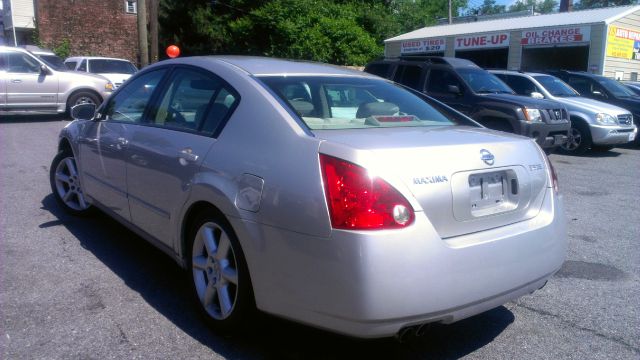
pixel 487 157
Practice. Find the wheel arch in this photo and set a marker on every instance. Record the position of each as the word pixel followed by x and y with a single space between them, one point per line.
pixel 578 117
pixel 65 145
pixel 502 123
pixel 82 89
pixel 188 221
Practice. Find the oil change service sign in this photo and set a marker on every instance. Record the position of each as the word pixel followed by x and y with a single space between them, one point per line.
pixel 623 43
pixel 553 36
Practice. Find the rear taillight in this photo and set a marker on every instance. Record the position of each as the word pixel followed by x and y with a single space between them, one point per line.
pixel 359 202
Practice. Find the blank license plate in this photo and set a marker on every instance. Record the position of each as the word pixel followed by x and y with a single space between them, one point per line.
pixel 490 189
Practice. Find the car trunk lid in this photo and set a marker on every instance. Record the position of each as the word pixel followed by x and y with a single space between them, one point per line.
pixel 464 179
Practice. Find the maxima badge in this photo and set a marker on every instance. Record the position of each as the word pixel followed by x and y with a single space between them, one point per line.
pixel 487 157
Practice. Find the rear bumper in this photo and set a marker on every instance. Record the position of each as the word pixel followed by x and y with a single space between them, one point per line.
pixel 372 284
pixel 612 135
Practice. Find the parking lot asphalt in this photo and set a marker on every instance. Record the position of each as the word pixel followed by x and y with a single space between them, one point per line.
pixel 89 288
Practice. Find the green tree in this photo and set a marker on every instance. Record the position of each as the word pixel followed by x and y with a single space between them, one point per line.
pixel 488 7
pixel 543 6
pixel 592 4
pixel 349 32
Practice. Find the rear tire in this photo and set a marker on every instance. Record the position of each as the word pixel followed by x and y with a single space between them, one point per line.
pixel 219 276
pixel 579 139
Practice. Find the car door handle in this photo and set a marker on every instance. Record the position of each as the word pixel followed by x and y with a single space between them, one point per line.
pixel 186 155
pixel 16 81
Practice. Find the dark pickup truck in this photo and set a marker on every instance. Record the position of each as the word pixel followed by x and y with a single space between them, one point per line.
pixel 480 95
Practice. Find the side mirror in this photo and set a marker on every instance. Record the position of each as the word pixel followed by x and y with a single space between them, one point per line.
pixel 453 89
pixel 83 112
pixel 597 93
pixel 45 70
pixel 537 95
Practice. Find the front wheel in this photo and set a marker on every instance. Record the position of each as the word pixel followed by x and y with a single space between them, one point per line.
pixel 578 139
pixel 82 97
pixel 66 186
pixel 219 274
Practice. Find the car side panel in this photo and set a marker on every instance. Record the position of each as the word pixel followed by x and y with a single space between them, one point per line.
pixel 3 88
pixel 159 179
pixel 31 90
pixel 102 149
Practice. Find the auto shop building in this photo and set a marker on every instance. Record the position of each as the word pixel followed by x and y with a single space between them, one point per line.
pixel 602 41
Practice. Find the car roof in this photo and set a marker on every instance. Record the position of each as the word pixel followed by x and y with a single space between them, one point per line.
pixel 264 66
pixel 452 62
pixel 580 73
pixel 76 58
pixel 2 47
pixel 516 72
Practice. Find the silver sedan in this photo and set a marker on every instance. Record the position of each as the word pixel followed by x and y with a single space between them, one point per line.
pixel 316 193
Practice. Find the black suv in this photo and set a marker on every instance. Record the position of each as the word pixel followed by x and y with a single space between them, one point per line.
pixel 480 95
pixel 604 89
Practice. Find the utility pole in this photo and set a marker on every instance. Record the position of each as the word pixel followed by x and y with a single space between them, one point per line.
pixel 450 17
pixel 143 44
pixel 13 24
pixel 153 29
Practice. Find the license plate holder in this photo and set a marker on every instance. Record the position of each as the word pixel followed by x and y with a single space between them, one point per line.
pixel 492 192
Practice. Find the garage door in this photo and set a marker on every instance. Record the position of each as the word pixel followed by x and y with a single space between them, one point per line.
pixel 486 58
pixel 555 58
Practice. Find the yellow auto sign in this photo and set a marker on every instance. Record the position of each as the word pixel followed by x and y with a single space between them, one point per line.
pixel 623 43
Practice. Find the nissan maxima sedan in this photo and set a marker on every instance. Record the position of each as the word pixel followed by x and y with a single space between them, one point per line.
pixel 316 193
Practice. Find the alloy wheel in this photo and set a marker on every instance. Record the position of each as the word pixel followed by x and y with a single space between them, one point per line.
pixel 574 139
pixel 215 271
pixel 84 100
pixel 68 185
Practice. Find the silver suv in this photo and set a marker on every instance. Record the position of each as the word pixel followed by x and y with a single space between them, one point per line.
pixel 594 124
pixel 30 86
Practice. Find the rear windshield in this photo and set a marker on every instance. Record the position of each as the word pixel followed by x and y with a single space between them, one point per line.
pixel 328 102
pixel 101 66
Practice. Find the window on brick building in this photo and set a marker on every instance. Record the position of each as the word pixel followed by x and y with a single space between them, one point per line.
pixel 131 6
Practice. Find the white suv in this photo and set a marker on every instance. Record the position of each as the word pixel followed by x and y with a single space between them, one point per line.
pixel 28 85
pixel 594 124
pixel 116 70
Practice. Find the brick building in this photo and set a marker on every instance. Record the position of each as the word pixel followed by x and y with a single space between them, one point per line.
pixel 90 27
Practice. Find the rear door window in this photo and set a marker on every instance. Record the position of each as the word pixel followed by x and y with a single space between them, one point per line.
pixel 409 75
pixel 380 69
pixel 194 101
